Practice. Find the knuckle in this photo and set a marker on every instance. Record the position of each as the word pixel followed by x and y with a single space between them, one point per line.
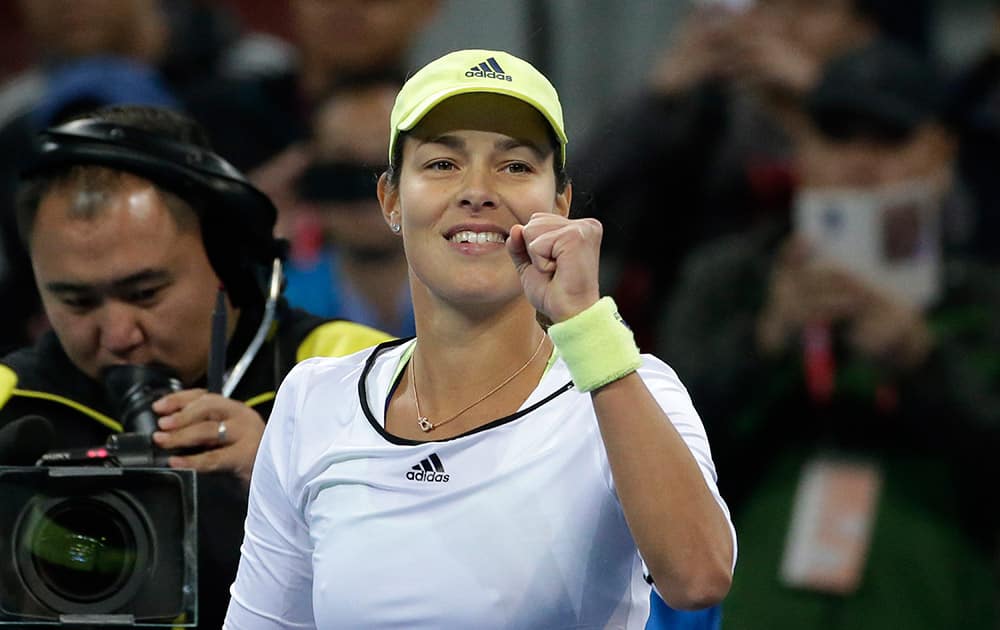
pixel 208 461
pixel 594 229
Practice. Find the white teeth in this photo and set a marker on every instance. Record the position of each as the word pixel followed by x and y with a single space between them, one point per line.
pixel 468 236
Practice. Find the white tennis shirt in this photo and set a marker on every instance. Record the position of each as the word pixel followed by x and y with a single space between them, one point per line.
pixel 515 525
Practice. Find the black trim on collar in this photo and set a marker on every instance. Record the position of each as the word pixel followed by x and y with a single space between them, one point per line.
pixel 394 439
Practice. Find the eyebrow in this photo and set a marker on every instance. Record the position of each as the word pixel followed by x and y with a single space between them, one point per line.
pixel 509 144
pixel 452 142
pixel 116 285
pixel 501 145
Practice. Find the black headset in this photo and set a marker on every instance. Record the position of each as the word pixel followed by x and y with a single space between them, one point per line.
pixel 237 220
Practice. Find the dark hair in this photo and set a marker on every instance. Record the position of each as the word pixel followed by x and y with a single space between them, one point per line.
pixel 881 91
pixel 393 171
pixel 173 152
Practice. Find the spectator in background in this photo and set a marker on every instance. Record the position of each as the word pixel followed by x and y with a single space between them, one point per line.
pixel 62 32
pixel 712 127
pixel 857 402
pixel 358 271
pixel 335 40
pixel 183 39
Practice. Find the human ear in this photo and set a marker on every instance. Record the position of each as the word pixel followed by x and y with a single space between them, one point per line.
pixel 388 199
pixel 563 201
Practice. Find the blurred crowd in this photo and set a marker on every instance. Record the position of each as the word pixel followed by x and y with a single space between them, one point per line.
pixel 801 214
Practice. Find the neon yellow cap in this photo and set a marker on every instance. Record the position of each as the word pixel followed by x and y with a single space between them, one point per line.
pixel 467 71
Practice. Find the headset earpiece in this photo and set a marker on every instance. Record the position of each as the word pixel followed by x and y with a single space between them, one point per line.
pixel 237 219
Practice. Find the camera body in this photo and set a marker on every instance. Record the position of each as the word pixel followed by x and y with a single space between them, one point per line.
pixel 98 546
pixel 103 535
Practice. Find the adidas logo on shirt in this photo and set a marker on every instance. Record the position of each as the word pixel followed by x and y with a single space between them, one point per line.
pixel 489 69
pixel 429 469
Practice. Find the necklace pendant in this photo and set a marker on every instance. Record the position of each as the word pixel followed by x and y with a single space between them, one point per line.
pixel 425 424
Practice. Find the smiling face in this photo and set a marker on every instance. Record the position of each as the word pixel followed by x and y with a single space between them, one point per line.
pixel 127 282
pixel 475 166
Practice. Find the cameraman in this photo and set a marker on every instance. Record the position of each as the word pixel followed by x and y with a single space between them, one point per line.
pixel 133 227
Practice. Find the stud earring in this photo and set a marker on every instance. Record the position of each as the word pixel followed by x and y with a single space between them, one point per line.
pixel 395 227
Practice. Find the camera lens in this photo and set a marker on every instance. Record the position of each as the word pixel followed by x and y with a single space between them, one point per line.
pixel 89 551
pixel 83 550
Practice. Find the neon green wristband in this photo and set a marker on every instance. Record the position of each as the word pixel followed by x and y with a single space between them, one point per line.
pixel 596 345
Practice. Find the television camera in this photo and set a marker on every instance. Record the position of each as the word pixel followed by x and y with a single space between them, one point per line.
pixel 100 536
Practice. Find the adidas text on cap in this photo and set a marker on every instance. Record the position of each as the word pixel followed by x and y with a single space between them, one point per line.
pixel 469 71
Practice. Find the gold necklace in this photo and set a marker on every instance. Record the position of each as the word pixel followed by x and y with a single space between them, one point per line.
pixel 427 426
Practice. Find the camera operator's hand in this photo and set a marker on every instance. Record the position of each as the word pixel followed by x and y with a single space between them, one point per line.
pixel 228 430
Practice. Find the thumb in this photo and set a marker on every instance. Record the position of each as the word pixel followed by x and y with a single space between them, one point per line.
pixel 517 248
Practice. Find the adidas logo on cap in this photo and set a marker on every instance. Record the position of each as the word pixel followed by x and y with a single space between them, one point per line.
pixel 489 69
pixel 429 469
